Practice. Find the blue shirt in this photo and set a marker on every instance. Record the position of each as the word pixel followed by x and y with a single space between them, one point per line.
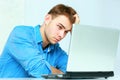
pixel 23 55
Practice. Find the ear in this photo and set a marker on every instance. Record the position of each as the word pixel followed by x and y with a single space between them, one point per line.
pixel 48 18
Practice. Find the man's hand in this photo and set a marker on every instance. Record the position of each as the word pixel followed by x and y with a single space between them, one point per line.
pixel 56 71
pixel 77 19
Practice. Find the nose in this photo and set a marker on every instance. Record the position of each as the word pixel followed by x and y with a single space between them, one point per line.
pixel 62 34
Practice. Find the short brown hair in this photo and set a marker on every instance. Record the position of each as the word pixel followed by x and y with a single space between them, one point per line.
pixel 62 9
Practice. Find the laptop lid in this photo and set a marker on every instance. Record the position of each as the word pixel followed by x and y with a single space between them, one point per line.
pixel 92 53
pixel 92 49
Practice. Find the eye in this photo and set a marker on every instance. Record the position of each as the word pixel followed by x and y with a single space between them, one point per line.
pixel 66 31
pixel 59 27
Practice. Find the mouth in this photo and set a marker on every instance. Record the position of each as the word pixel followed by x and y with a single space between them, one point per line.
pixel 56 40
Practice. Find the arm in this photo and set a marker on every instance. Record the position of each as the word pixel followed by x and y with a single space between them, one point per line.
pixel 56 71
pixel 22 48
pixel 61 62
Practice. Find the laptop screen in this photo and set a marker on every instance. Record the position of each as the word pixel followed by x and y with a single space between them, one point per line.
pixel 92 48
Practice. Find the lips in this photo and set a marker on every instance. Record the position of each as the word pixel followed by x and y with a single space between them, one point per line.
pixel 57 40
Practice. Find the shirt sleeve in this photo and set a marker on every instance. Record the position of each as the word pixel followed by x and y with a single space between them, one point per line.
pixel 62 60
pixel 24 51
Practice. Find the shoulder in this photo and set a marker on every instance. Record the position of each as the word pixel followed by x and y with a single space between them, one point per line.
pixel 22 28
pixel 22 32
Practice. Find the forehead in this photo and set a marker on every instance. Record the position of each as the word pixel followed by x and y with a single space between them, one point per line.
pixel 64 21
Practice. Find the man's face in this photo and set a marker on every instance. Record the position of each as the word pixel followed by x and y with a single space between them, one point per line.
pixel 57 28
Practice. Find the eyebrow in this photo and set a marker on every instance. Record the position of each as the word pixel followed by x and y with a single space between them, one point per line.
pixel 64 27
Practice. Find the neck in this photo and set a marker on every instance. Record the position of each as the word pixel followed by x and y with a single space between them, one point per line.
pixel 45 41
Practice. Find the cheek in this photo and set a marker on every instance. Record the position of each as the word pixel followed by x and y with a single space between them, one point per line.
pixel 52 31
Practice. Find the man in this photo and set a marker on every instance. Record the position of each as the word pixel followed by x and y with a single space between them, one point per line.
pixel 33 51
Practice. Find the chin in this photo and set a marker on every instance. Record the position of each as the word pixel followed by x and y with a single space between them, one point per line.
pixel 53 42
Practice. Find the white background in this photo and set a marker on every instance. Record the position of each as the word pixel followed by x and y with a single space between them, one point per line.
pixel 31 12
pixel 11 14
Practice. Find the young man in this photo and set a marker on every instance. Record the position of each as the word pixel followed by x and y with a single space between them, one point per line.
pixel 33 51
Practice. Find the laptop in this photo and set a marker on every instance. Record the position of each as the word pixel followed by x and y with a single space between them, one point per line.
pixel 92 53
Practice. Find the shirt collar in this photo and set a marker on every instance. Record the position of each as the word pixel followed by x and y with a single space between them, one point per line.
pixel 52 47
pixel 38 36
